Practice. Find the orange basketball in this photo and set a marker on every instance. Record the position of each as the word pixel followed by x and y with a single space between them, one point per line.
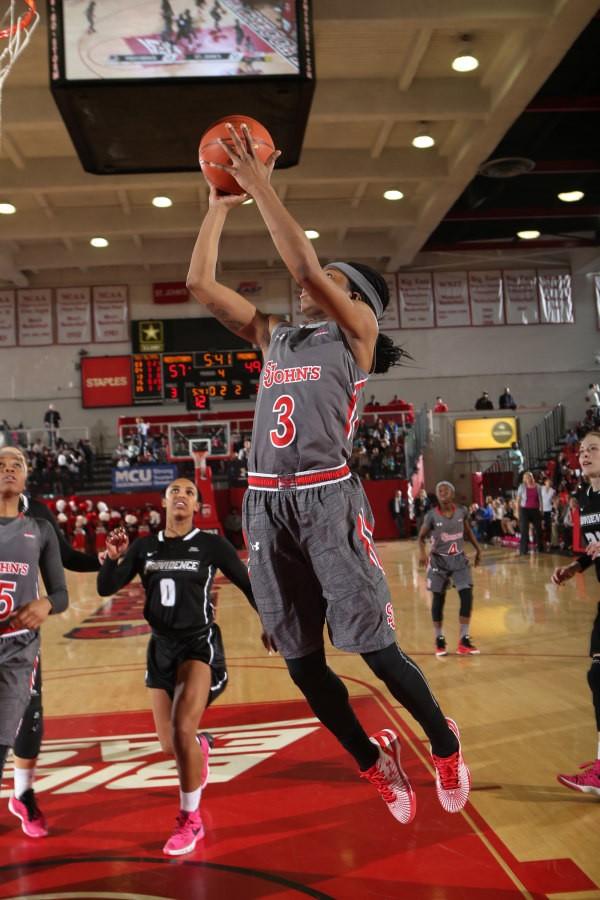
pixel 211 151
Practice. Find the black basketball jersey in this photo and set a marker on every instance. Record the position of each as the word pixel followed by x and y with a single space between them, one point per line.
pixel 588 501
pixel 177 574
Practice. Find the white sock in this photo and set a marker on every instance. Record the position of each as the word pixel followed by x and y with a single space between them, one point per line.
pixel 190 801
pixel 23 780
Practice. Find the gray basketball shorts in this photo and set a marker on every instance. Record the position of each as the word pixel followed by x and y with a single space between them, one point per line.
pixel 445 569
pixel 312 561
pixel 18 662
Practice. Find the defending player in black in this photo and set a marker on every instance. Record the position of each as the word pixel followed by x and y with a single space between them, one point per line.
pixel 28 546
pixel 307 519
pixel 448 526
pixel 186 661
pixel 588 780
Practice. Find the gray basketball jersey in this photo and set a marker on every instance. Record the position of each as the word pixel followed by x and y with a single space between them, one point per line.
pixel 308 401
pixel 21 541
pixel 446 532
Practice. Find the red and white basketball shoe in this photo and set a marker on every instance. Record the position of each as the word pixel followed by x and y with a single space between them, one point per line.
pixel 587 781
pixel 25 808
pixel 390 779
pixel 188 831
pixel 452 776
pixel 466 647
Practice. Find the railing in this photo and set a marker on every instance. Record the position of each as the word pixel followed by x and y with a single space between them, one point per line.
pixel 537 443
pixel 25 437
pixel 416 439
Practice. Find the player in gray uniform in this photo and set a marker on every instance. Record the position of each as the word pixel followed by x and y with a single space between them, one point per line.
pixel 308 523
pixel 27 547
pixel 448 525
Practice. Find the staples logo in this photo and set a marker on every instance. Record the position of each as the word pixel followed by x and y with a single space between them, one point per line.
pixel 111 381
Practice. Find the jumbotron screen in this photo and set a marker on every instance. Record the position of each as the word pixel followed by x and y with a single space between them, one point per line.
pixel 125 39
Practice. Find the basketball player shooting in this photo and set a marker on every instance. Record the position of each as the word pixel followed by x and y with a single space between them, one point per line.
pixel 310 529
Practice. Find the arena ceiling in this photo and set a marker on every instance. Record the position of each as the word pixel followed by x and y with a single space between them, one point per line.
pixel 383 75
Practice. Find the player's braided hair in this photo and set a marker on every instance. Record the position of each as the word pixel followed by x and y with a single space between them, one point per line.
pixel 387 354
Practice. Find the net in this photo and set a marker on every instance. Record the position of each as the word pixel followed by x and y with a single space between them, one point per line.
pixel 17 24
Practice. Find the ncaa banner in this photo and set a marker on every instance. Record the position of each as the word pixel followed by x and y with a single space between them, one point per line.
pixel 105 381
pixel 143 478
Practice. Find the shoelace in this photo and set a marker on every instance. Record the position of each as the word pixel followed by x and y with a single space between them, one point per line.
pixel 447 767
pixel 381 783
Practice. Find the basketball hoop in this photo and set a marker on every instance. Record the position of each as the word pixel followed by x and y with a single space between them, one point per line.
pixel 16 30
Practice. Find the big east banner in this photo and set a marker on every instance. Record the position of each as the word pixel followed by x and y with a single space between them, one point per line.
pixel 106 381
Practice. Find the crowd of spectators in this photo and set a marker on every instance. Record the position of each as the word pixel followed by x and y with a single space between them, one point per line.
pixel 61 469
pixel 85 524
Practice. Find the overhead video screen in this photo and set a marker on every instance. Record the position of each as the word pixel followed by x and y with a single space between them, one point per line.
pixel 125 39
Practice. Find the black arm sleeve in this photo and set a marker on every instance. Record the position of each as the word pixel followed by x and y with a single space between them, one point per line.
pixel 51 569
pixel 71 559
pixel 227 560
pixel 585 561
pixel 114 575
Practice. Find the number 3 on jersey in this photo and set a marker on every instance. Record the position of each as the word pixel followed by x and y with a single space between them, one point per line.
pixel 284 434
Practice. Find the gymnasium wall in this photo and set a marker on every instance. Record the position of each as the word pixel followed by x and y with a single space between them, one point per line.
pixel 542 364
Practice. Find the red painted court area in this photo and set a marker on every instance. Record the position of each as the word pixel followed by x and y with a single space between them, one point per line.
pixel 284 813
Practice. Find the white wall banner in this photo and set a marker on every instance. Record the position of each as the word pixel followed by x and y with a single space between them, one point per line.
pixel 34 307
pixel 451 296
pixel 487 297
pixel 73 315
pixel 556 303
pixel 390 320
pixel 415 294
pixel 521 298
pixel 111 313
pixel 8 319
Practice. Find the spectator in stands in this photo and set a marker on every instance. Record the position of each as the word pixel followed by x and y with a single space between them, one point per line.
pixel 422 505
pixel 440 405
pixel 398 508
pixel 529 507
pixel 571 438
pixel 506 400
pixel 233 527
pixel 508 522
pixel 567 524
pixel 517 462
pixel 548 493
pixel 592 398
pixel 484 402
pixel 372 404
pixel 52 420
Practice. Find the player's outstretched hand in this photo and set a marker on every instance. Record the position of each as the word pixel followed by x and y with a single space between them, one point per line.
pixel 245 166
pixel 33 614
pixel 562 574
pixel 117 543
pixel 593 549
pixel 227 201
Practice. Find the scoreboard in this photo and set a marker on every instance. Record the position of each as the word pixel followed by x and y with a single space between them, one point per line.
pixel 195 377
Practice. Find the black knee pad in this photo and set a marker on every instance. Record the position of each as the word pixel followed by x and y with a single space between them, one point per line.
pixel 28 741
pixel 308 672
pixel 437 606
pixel 466 602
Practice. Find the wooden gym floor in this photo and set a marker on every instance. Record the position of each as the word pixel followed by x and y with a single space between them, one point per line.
pixel 284 812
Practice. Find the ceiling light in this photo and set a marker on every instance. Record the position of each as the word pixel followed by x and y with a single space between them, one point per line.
pixel 162 202
pixel 423 140
pixel 393 195
pixel 7 209
pixel 528 235
pixel 99 242
pixel 247 202
pixel 465 63
pixel 571 196
pixel 311 234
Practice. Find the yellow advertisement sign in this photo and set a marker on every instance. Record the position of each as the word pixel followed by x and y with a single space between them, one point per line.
pixel 485 434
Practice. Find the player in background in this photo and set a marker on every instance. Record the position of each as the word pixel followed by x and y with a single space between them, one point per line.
pixel 588 499
pixel 28 548
pixel 308 522
pixel 28 743
pixel 448 526
pixel 186 661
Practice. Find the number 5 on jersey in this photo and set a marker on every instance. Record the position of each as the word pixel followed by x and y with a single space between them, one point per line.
pixel 284 434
